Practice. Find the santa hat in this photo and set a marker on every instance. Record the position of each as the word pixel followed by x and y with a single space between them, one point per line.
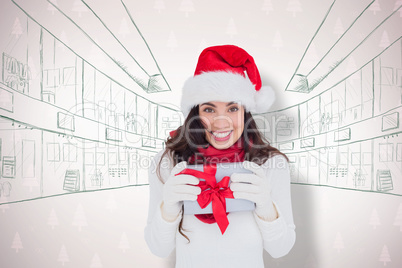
pixel 226 73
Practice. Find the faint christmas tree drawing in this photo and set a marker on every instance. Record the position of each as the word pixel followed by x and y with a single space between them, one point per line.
pixel 338 29
pixel 17 29
pixel 186 6
pixel 79 218
pixel 267 6
pixel 52 219
pixel 294 6
pixel 111 204
pixel 375 7
pixel 96 262
pixel 63 256
pixel 124 244
pixel 159 5
pixel 79 7
pixel 277 42
pixel 172 42
pixel 398 218
pixel 17 243
pixel 124 30
pixel 338 243
pixel 374 219
pixel 50 7
pixel 231 28
pixel 397 5
pixel 385 257
pixel 384 43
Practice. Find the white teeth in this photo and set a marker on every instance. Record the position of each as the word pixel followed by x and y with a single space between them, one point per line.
pixel 221 134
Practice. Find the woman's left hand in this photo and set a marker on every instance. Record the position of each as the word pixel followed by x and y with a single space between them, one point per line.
pixel 254 187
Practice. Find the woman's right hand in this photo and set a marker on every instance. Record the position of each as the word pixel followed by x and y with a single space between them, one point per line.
pixel 177 189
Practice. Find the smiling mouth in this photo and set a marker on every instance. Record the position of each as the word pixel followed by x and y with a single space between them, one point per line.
pixel 221 135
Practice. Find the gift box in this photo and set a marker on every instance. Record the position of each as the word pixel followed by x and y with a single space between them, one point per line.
pixel 222 171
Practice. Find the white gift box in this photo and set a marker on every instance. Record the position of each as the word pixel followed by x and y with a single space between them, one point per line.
pixel 232 205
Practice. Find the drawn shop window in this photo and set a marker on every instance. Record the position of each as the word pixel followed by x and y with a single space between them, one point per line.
pixel 51 81
pixel 386 152
pixel 53 152
pixel 65 121
pixel 390 121
pixel 51 78
pixel 69 76
pixel 387 76
pixel 69 152
pixel 399 152
pixel 16 74
pixel 355 159
pixel 399 78
pixel 100 159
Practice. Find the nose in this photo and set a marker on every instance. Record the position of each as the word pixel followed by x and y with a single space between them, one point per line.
pixel 221 122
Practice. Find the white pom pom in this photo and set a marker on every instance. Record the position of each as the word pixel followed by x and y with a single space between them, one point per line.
pixel 264 98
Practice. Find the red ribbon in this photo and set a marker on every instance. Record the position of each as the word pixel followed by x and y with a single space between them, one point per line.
pixel 214 192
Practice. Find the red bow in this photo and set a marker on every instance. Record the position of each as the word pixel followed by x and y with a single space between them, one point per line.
pixel 214 192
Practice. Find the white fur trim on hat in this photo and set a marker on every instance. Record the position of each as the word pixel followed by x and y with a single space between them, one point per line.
pixel 225 87
pixel 264 98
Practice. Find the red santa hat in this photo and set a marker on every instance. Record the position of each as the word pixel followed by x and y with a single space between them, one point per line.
pixel 226 73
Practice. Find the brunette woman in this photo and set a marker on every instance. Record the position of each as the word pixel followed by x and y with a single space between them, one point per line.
pixel 218 103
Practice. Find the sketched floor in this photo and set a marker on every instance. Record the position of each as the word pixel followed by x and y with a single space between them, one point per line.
pixel 97 229
pixel 105 229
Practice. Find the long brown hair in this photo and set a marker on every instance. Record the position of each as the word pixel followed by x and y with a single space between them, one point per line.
pixel 191 135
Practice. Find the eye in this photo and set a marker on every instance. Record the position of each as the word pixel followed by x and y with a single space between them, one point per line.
pixel 233 109
pixel 208 110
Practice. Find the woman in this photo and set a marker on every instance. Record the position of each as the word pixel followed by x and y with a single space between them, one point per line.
pixel 217 103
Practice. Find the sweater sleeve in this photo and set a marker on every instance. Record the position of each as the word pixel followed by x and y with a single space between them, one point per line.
pixel 279 235
pixel 160 235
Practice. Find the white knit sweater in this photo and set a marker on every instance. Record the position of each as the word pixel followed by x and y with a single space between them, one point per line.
pixel 245 238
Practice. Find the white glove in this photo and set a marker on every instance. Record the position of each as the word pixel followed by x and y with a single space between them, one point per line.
pixel 254 187
pixel 176 189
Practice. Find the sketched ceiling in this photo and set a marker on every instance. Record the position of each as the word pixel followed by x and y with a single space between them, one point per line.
pixel 128 60
pixel 357 34
pixel 314 51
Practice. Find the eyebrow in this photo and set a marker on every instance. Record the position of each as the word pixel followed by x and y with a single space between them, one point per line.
pixel 213 105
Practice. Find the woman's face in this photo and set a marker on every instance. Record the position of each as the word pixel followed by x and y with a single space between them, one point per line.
pixel 223 121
